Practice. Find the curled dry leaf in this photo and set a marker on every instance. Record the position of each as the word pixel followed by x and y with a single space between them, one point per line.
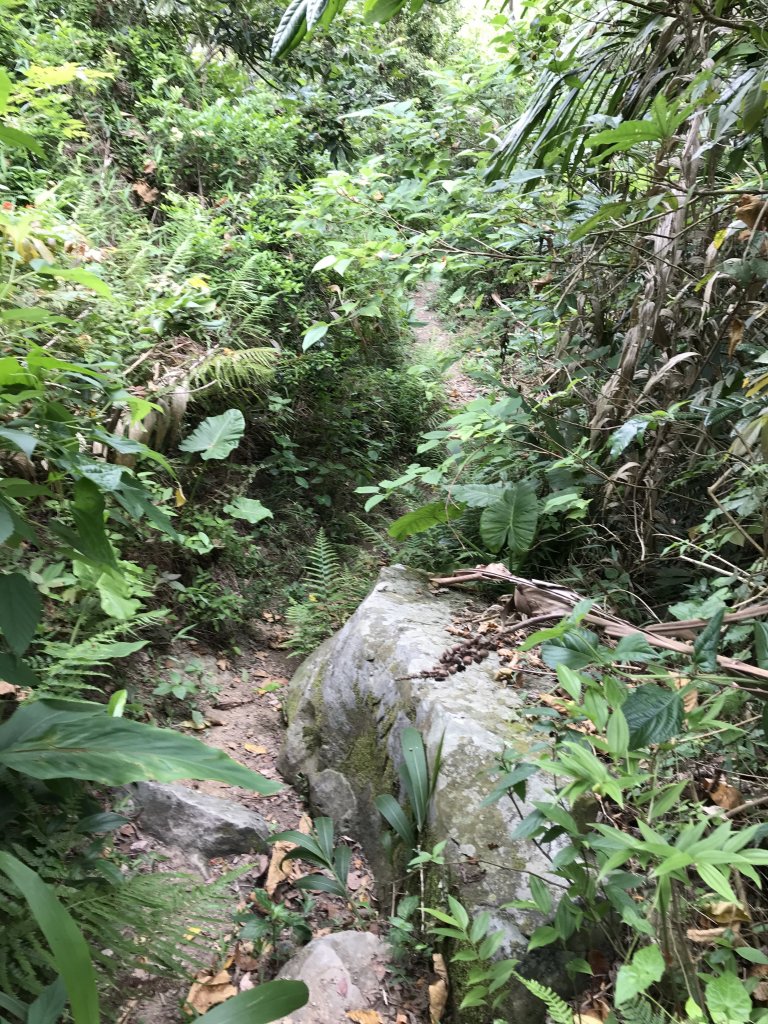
pixel 365 1016
pixel 145 192
pixel 726 912
pixel 702 936
pixel 280 870
pixel 735 335
pixel 438 990
pixel 209 990
pixel 725 796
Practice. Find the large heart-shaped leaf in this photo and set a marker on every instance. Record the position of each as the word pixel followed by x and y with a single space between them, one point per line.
pixel 51 739
pixel 653 715
pixel 511 522
pixel 249 509
pixel 216 436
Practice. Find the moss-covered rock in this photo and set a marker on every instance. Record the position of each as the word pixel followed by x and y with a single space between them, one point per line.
pixel 347 706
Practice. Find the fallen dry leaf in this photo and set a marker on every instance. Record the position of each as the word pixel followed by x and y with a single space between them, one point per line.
pixel 145 192
pixel 246 983
pixel 209 990
pixel 726 796
pixel 702 936
pixel 254 749
pixel 586 1018
pixel 7 689
pixel 735 335
pixel 365 1016
pixel 438 990
pixel 278 871
pixel 725 912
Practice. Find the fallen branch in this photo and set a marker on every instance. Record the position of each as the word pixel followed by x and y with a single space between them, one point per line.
pixel 541 601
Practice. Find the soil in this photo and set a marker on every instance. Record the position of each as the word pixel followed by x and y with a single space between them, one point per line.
pixel 431 334
pixel 244 717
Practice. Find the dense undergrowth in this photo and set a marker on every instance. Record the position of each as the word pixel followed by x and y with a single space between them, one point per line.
pixel 209 407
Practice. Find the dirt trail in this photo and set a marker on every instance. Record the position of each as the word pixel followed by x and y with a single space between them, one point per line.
pixel 431 334
pixel 244 718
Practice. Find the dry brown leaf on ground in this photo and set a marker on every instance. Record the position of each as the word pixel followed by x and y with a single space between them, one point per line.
pixel 726 912
pixel 365 1016
pixel 586 1018
pixel 145 192
pixel 438 990
pixel 725 796
pixel 702 936
pixel 280 870
pixel 209 990
pixel 254 748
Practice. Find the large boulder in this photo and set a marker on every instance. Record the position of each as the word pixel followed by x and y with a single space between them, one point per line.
pixel 346 707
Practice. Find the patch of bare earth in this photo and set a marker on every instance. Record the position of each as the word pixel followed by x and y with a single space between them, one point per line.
pixel 431 334
pixel 244 717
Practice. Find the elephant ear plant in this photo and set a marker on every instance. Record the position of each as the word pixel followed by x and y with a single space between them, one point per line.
pixel 54 739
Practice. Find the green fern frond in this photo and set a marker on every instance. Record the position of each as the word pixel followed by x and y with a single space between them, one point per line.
pixel 245 369
pixel 640 1011
pixel 323 568
pixel 558 1009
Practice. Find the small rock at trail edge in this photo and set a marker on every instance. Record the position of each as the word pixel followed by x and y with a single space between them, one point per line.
pixel 197 823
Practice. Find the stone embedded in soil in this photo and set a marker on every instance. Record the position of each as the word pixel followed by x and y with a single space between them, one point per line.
pixel 343 972
pixel 197 823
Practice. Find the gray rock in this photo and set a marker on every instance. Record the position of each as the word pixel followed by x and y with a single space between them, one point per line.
pixel 346 707
pixel 197 823
pixel 331 794
pixel 342 971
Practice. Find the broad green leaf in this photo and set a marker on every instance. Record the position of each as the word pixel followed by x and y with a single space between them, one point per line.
pixel 19 439
pixel 727 1000
pixel 313 335
pixel 20 611
pixel 32 315
pixel 49 1005
pixel 477 495
pixel 627 432
pixel 16 139
pixel 14 671
pixel 761 644
pixel 249 509
pixel 261 1005
pixel 396 818
pixel 381 10
pixel 543 936
pixel 88 514
pixel 7 527
pixel 609 211
pixel 511 522
pixel 51 739
pixel 291 29
pixel 423 518
pixel 540 894
pixel 5 90
pixel 79 276
pixel 706 643
pixel 617 734
pixel 216 436
pixel 653 714
pixel 645 969
pixel 415 773
pixel 69 948
pixel 326 261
